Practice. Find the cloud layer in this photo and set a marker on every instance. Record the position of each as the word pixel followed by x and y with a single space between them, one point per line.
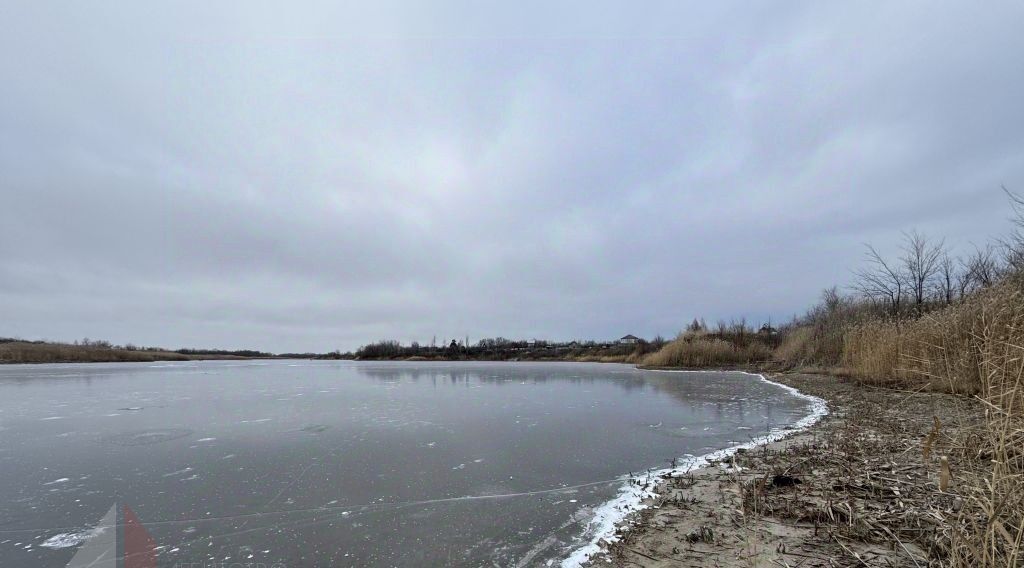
pixel 314 178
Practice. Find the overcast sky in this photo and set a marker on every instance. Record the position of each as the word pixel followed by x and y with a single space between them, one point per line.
pixel 315 177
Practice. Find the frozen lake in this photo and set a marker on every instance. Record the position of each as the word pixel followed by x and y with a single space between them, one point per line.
pixel 310 463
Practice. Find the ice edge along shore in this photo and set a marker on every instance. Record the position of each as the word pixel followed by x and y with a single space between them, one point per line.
pixel 610 515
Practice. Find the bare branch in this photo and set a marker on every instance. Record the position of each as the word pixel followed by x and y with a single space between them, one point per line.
pixel 921 264
pixel 880 280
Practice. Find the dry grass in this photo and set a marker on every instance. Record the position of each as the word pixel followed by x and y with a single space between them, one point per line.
pixel 796 345
pixel 605 358
pixel 694 350
pixel 820 339
pixel 26 352
pixel 871 352
pixel 975 349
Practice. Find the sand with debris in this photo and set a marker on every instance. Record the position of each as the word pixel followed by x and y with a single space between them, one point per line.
pixel 858 489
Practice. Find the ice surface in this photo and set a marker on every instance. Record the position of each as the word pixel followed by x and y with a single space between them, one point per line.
pixel 369 464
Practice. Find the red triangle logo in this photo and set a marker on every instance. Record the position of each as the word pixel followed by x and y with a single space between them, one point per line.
pixel 139 546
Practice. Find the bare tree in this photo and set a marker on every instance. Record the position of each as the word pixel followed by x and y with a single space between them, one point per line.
pixel 980 269
pixel 921 263
pixel 947 278
pixel 881 280
pixel 739 328
pixel 1014 243
pixel 965 278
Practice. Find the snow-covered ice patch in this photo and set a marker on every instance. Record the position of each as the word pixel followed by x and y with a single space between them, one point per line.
pixel 67 540
pixel 57 481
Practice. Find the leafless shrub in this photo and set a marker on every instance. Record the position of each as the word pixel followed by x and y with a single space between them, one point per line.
pixel 881 280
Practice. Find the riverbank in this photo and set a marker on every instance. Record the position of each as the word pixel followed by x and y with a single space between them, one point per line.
pixel 19 352
pixel 856 489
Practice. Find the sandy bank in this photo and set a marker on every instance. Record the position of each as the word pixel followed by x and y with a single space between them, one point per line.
pixel 854 490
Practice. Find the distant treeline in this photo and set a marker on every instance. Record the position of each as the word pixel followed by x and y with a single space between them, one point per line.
pixel 502 349
pixel 247 353
pixel 16 350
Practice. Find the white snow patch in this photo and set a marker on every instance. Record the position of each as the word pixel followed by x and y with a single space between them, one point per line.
pixel 56 481
pixel 67 540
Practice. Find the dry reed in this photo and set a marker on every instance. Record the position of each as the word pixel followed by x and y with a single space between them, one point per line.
pixel 974 348
pixel 696 351
pixel 25 352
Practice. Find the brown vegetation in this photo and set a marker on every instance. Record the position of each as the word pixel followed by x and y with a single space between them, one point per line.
pixel 965 338
pixel 726 345
pixel 30 352
pixel 91 351
pixel 925 321
pixel 974 348
pixel 699 351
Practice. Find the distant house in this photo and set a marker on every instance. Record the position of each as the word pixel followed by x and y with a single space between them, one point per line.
pixel 628 339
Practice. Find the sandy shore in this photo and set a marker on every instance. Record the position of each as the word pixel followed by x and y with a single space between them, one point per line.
pixel 854 490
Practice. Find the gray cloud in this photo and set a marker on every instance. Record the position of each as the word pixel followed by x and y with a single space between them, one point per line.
pixel 318 177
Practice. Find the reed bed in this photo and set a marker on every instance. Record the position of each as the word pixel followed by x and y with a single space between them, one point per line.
pixel 26 352
pixel 973 349
pixel 690 350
